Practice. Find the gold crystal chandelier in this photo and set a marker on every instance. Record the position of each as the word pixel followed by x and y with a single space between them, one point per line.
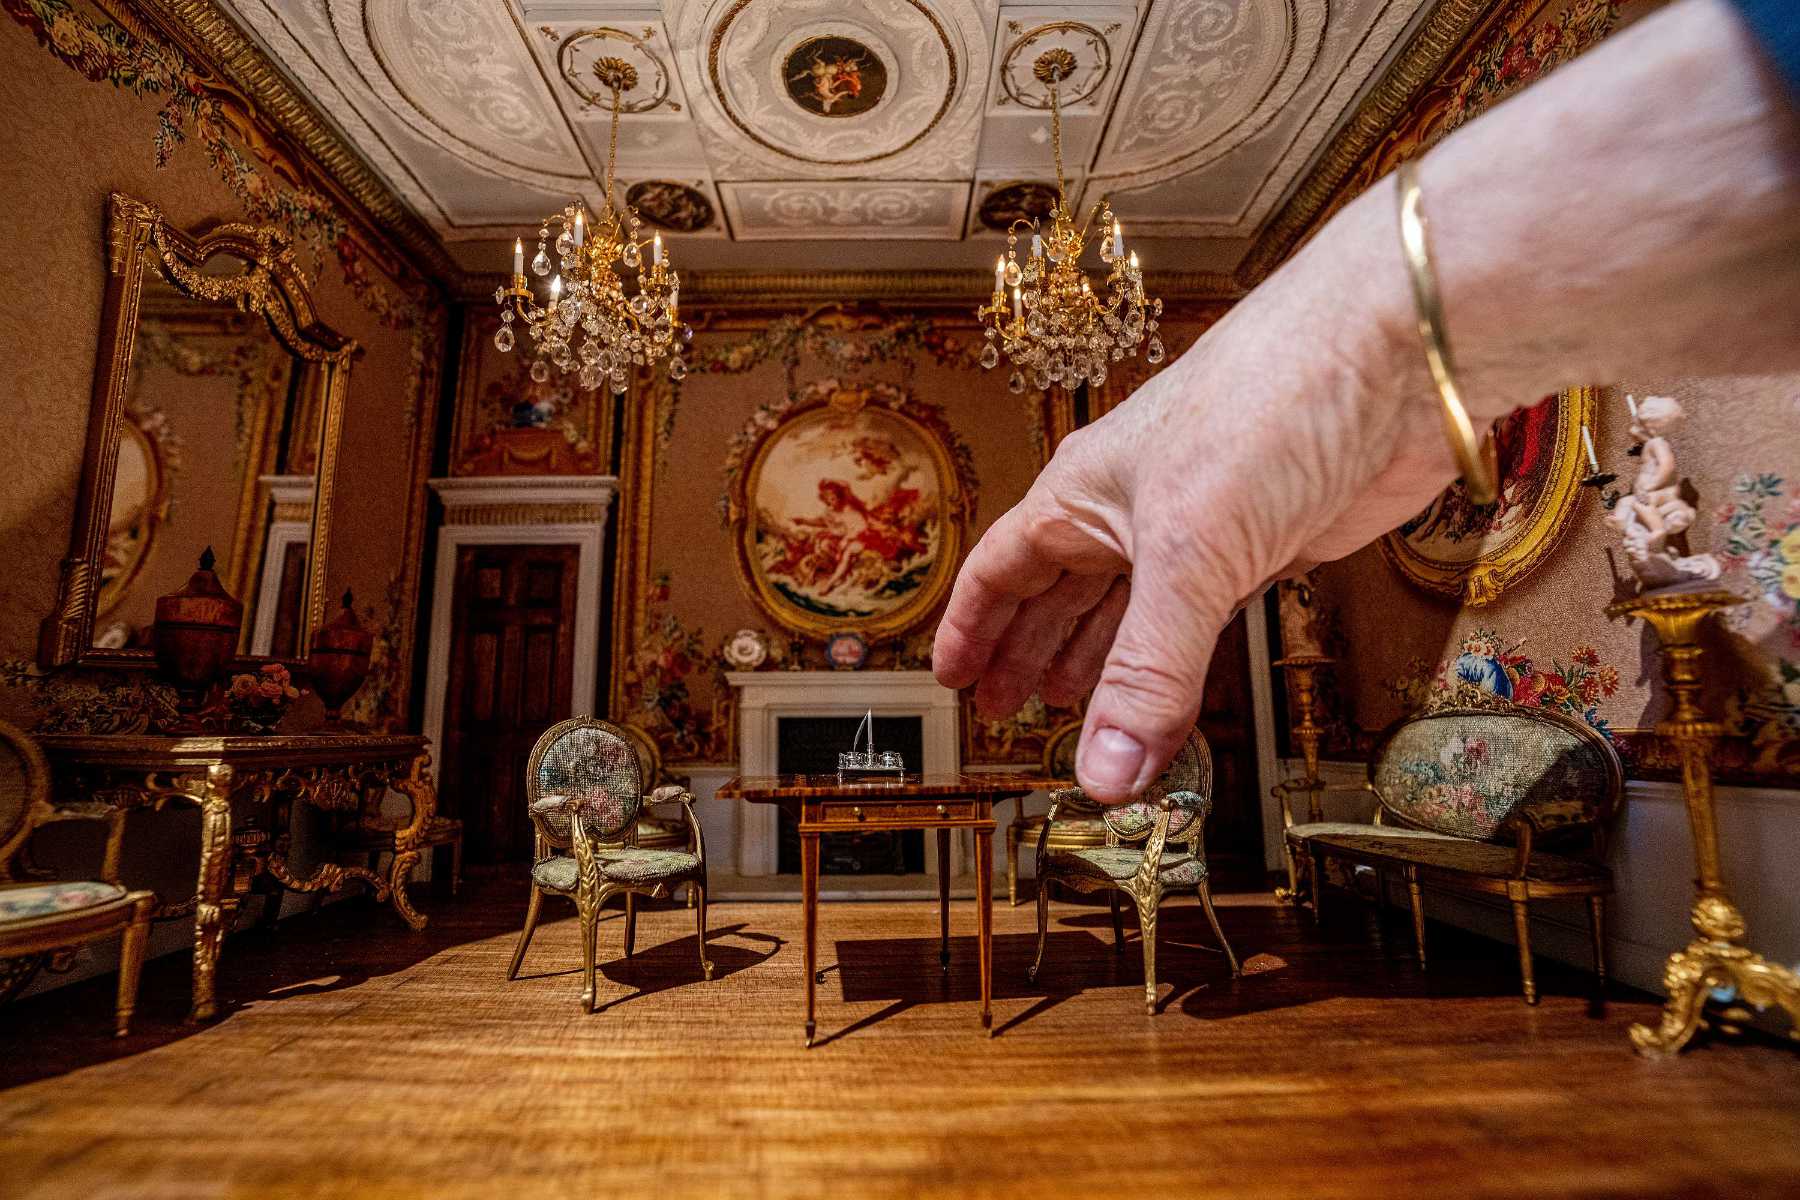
pixel 587 325
pixel 1056 325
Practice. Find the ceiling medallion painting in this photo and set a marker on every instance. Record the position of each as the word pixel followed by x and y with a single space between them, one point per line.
pixel 581 55
pixel 835 76
pixel 1013 202
pixel 672 206
pixel 892 62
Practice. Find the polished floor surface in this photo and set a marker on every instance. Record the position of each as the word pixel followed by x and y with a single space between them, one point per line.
pixel 355 1058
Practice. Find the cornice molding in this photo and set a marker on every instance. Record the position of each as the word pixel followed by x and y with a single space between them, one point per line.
pixel 215 41
pixel 735 289
pixel 1418 64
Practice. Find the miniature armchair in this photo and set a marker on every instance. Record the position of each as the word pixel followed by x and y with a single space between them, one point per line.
pixel 585 795
pixel 43 918
pixel 1170 820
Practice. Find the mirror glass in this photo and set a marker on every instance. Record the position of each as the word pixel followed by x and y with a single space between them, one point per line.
pixel 218 446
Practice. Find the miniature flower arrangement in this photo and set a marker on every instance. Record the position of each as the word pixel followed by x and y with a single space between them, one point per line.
pixel 260 699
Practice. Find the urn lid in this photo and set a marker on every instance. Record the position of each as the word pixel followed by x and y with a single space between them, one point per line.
pixel 204 601
pixel 344 634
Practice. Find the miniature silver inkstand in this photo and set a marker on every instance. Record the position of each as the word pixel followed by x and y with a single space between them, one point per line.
pixel 869 761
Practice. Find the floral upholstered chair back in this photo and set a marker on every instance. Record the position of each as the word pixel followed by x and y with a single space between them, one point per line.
pixel 597 764
pixel 1188 784
pixel 1466 771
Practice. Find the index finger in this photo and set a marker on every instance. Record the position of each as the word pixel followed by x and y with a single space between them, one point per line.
pixel 1004 569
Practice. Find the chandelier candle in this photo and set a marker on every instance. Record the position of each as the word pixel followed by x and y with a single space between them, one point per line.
pixel 1064 330
pixel 590 325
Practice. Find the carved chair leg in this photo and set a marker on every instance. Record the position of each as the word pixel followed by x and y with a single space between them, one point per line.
pixel 1043 923
pixel 131 962
pixel 590 930
pixel 1417 899
pixel 630 922
pixel 1597 930
pixel 531 920
pixel 1146 908
pixel 1012 864
pixel 1205 890
pixel 1522 929
pixel 1315 884
pixel 1112 899
pixel 697 897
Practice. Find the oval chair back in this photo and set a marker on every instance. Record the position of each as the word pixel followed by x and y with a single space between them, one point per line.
pixel 597 763
pixel 1189 774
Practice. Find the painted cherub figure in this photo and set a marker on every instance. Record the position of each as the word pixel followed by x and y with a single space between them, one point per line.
pixel 1653 511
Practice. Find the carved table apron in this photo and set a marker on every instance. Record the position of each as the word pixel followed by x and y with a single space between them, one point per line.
pixel 245 789
pixel 827 804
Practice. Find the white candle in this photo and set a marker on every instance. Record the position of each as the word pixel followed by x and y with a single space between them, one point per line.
pixel 555 288
pixel 1018 305
pixel 1037 245
pixel 674 297
pixel 1588 442
pixel 1134 262
pixel 656 250
pixel 518 256
pixel 579 229
pixel 1118 240
pixel 1000 273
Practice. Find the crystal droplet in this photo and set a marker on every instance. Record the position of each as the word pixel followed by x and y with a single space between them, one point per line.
pixel 630 255
pixel 677 369
pixel 503 338
pixel 1012 272
pixel 990 357
pixel 540 263
pixel 1155 353
pixel 540 371
pixel 1017 383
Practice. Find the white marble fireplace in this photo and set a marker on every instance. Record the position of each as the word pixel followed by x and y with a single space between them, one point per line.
pixel 764 697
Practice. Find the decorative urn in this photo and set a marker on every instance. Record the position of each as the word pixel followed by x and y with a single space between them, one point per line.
pixel 339 661
pixel 196 632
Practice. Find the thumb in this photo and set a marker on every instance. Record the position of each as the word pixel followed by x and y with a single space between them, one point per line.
pixel 1149 692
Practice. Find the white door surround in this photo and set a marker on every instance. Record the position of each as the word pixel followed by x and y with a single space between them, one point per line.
pixel 290 498
pixel 764 697
pixel 544 510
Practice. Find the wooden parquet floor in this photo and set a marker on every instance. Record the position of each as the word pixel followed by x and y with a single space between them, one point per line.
pixel 358 1059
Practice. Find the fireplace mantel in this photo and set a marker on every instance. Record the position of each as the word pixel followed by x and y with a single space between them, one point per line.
pixel 764 697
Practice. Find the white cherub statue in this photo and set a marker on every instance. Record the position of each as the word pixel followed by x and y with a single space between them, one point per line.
pixel 1653 511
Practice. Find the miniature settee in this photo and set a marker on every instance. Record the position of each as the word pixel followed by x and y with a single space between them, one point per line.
pixel 1481 796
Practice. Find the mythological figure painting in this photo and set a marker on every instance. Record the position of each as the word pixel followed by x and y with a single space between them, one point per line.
pixel 835 77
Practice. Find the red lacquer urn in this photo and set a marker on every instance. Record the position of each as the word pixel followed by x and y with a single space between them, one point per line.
pixel 339 661
pixel 196 632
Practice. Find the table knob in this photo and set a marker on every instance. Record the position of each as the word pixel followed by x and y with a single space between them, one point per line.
pixel 856 812
pixel 942 811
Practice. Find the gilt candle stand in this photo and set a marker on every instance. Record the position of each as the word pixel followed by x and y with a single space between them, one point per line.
pixel 1718 957
pixel 1301 669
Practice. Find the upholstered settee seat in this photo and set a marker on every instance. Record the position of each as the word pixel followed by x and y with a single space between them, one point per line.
pixel 620 865
pixel 1122 862
pixel 1458 856
pixel 1360 828
pixel 36 900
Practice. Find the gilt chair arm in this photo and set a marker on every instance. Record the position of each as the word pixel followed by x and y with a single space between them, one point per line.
pixel 549 806
pixel 670 793
pixel 1058 797
pixel 1558 820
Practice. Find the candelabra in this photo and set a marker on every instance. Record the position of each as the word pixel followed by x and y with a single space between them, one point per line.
pixel 1058 326
pixel 1301 669
pixel 1717 960
pixel 588 325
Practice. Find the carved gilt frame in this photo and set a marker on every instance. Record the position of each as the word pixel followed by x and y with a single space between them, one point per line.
pixel 271 286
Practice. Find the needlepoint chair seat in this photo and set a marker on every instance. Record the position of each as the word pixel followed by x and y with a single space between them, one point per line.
pixel 1478 795
pixel 584 792
pixel 1169 819
pixel 41 918
pixel 1078 824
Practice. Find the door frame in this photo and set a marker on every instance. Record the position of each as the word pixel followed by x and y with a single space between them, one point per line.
pixel 520 511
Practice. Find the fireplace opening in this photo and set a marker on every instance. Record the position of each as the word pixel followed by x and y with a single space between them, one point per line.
pixel 809 746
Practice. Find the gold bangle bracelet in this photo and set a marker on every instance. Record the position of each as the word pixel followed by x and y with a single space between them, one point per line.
pixel 1477 460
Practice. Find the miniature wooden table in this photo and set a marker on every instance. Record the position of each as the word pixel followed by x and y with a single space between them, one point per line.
pixel 824 804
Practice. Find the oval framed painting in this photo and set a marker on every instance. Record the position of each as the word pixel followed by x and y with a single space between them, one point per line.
pixel 1475 553
pixel 849 507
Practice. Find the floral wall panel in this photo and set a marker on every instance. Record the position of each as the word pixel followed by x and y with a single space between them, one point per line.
pixel 508 423
pixel 98 103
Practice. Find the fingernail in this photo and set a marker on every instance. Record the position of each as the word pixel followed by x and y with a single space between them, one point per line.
pixel 1110 760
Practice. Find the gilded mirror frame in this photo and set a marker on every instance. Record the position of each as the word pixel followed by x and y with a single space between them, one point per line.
pixel 271 286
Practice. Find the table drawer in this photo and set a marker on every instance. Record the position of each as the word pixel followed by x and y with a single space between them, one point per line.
pixel 851 813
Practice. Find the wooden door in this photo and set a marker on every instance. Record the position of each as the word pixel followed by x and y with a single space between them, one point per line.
pixel 511 671
pixel 1228 719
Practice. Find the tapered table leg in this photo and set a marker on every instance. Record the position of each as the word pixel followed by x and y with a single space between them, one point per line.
pixel 984 915
pixel 809 892
pixel 943 840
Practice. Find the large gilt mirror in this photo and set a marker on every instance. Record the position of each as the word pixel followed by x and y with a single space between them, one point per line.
pixel 218 396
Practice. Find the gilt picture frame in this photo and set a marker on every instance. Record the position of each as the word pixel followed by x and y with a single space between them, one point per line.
pixel 1475 554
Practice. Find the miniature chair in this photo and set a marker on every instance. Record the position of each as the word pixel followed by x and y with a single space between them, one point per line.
pixel 583 787
pixel 1173 810
pixel 39 918
pixel 1078 825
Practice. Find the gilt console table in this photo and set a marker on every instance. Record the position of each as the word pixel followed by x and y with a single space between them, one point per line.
pixel 824 804
pixel 246 789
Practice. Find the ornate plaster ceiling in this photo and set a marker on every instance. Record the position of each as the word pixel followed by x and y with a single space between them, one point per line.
pixel 770 133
